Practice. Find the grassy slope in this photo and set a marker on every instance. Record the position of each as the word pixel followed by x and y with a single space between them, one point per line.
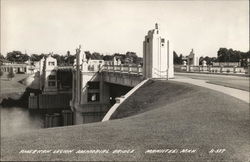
pixel 192 117
pixel 12 86
pixel 151 96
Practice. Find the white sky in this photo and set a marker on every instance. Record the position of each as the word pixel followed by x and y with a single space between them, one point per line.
pixel 43 26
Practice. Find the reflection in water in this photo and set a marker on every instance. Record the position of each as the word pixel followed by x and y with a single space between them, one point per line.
pixel 16 120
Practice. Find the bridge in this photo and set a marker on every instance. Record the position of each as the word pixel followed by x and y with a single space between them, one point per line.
pixel 100 88
pixel 125 75
pixel 97 86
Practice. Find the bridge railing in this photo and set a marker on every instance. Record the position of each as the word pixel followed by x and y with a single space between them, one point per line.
pixel 131 69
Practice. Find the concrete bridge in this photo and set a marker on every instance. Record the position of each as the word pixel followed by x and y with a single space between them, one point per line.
pixel 125 75
pixel 97 86
pixel 100 89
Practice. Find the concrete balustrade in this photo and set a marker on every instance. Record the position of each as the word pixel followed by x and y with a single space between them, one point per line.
pixel 123 69
pixel 215 69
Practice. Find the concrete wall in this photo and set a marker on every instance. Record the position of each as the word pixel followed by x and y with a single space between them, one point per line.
pixel 124 79
pixel 49 101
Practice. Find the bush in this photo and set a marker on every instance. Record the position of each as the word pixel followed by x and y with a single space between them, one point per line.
pixel 11 74
pixel 1 73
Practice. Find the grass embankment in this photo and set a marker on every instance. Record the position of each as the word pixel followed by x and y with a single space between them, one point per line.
pixel 11 88
pixel 176 116
pixel 8 86
pixel 150 96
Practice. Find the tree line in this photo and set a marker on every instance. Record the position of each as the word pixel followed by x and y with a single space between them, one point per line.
pixel 68 59
pixel 223 55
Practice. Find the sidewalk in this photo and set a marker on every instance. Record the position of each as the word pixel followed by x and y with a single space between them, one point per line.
pixel 240 94
pixel 222 74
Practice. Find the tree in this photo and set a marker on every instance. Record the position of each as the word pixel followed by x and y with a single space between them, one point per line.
pixel 1 56
pixel 17 56
pixel 200 60
pixel 96 56
pixel 107 58
pixel 36 57
pixel 180 58
pixel 222 54
pixel 69 60
pixel 230 55
pixel 60 59
pixel 176 58
pixel 131 57
pixel 88 54
pixel 11 74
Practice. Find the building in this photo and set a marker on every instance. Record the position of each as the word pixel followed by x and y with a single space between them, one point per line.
pixel 157 55
pixel 18 68
pixel 52 78
pixel 55 84
pixel 48 81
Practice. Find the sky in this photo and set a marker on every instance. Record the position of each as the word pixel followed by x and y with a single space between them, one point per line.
pixel 109 26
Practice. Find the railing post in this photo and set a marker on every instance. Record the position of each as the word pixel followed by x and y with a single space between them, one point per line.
pixel 234 69
pixel 221 69
pixel 138 69
pixel 129 69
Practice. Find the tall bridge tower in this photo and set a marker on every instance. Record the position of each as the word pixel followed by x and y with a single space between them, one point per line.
pixel 157 55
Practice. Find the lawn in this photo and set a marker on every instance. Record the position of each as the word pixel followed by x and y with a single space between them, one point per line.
pixel 165 115
pixel 12 85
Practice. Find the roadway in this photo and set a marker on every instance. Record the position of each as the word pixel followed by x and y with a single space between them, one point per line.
pixel 238 82
pixel 235 86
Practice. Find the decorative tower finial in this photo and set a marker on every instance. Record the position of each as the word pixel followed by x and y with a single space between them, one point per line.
pixel 156 26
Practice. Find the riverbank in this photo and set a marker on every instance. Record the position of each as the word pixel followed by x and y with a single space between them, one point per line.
pixel 12 88
pixel 14 92
pixel 9 86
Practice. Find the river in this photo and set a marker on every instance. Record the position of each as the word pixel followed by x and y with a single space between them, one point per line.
pixel 16 120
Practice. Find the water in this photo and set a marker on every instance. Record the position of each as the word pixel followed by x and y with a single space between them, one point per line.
pixel 16 120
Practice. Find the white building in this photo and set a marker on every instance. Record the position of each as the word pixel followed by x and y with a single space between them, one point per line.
pixel 48 81
pixel 157 55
